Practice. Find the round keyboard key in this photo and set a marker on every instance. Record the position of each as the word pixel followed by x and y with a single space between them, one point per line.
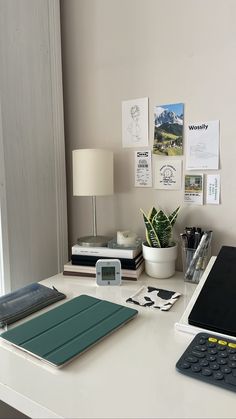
pixel 198 354
pixel 203 363
pixel 220 348
pixel 211 345
pixel 226 370
pixel 231 351
pixel 195 368
pixel 202 341
pixel 201 348
pixel 222 342
pixel 218 375
pixel 206 371
pixel 214 366
pixel 212 351
pixel 222 361
pixel 232 364
pixel 232 345
pixel 223 354
pixel 232 357
pixel 211 358
pixel 185 365
pixel 212 339
pixel 191 359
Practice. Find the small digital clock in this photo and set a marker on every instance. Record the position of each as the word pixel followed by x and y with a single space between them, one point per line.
pixel 108 272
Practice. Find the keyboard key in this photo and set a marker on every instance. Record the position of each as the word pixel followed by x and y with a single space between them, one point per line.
pixel 214 366
pixel 232 364
pixel 191 359
pixel 204 363
pixel 218 375
pixel 195 368
pixel 226 370
pixel 206 371
pixel 185 365
pixel 198 354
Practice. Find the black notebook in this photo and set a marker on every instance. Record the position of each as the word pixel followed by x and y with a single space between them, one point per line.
pixel 25 301
pixel 215 307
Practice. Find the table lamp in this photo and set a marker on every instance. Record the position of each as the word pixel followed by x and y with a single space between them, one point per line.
pixel 93 176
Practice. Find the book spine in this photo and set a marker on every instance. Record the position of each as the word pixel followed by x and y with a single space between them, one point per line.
pixel 105 252
pixel 91 269
pixel 124 265
pixel 90 275
pixel 87 258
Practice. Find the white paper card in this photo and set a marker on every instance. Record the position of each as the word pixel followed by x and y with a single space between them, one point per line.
pixel 203 145
pixel 168 174
pixel 143 168
pixel 135 123
pixel 213 189
pixel 193 189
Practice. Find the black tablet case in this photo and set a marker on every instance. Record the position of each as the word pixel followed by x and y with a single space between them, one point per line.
pixel 215 307
pixel 25 301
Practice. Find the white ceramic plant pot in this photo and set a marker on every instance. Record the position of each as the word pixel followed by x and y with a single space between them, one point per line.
pixel 159 261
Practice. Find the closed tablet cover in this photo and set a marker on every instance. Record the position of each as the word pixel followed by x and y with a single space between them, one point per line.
pixel 215 307
pixel 25 301
pixel 66 331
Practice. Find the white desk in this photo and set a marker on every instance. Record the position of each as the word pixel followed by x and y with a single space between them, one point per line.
pixel 130 374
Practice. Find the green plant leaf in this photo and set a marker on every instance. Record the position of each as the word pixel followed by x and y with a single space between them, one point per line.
pixel 163 228
pixel 151 235
pixel 173 216
pixel 152 214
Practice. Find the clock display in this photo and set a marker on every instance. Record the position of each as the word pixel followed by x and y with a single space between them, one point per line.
pixel 108 273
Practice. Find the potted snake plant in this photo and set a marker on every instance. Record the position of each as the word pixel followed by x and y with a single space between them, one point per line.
pixel 160 249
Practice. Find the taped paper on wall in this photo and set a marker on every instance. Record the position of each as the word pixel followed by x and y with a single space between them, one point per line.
pixel 143 168
pixel 168 174
pixel 193 189
pixel 213 189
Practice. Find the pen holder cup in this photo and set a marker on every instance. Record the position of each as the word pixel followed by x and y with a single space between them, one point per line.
pixel 193 268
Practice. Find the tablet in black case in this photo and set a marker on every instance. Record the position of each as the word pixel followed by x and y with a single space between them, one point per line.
pixel 25 301
pixel 215 307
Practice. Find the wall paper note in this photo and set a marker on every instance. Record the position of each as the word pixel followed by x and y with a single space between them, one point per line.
pixel 168 174
pixel 203 145
pixel 193 189
pixel 213 189
pixel 135 123
pixel 168 129
pixel 143 168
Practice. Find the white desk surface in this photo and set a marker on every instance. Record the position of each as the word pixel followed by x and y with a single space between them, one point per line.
pixel 130 374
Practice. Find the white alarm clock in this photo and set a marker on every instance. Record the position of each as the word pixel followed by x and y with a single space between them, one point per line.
pixel 108 272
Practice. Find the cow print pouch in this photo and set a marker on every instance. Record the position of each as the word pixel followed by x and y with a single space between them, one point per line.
pixel 154 298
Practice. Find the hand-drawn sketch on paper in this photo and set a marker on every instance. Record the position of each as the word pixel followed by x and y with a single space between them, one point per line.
pixel 168 129
pixel 135 123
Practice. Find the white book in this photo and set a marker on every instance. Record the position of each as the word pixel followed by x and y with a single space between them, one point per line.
pixel 106 251
pixel 68 267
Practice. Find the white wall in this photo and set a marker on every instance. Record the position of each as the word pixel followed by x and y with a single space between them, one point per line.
pixel 169 51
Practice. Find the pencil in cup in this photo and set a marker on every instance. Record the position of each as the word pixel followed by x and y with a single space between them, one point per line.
pixel 200 259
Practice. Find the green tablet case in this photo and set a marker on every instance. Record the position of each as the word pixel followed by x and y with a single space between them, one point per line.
pixel 68 330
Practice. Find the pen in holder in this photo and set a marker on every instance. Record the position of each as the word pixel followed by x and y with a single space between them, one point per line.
pixel 196 260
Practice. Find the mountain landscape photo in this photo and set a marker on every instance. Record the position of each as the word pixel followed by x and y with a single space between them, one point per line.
pixel 168 130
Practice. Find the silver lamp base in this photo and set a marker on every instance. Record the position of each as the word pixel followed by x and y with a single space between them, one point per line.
pixel 93 241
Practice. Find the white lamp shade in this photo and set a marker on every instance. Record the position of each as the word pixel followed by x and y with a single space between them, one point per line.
pixel 92 172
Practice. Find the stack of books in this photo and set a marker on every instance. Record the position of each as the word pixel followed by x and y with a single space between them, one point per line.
pixel 83 261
